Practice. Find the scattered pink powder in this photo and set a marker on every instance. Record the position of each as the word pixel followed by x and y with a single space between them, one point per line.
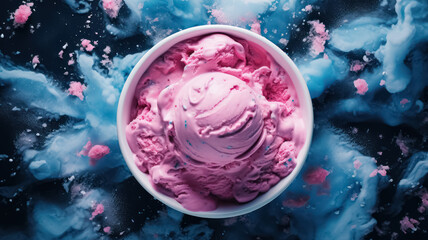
pixel 99 209
pixel 318 35
pixel 219 16
pixel 76 89
pixel 60 53
pixel 112 7
pixel 357 164
pixel 97 152
pixel 424 198
pixel 357 66
pixel 402 145
pixel 22 14
pixel 296 202
pixel 382 82
pixel 255 27
pixel 315 176
pixel 87 45
pixel 381 170
pixel 308 8
pixel 107 230
pixel 361 85
pixel 408 223
pixel 404 101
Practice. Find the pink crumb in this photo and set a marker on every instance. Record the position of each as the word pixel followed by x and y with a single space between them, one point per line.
pixel 97 152
pixel 318 35
pixel 255 27
pixel 22 14
pixel 70 62
pixel 357 66
pixel 381 170
pixel 308 8
pixel 315 176
pixel 424 198
pixel 36 59
pixel 87 45
pixel 408 223
pixel 296 202
pixel 357 164
pixel 60 53
pixel 404 101
pixel 382 82
pixel 283 41
pixel 99 209
pixel 107 230
pixel 361 85
pixel 107 50
pixel 112 7
pixel 76 89
pixel 85 149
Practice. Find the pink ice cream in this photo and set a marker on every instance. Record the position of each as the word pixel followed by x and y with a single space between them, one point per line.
pixel 215 119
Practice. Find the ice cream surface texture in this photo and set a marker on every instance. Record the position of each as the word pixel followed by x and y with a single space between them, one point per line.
pixel 215 119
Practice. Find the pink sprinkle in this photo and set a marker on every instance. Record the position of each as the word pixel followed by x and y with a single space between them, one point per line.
pixel 255 27
pixel 315 176
pixel 408 223
pixel 99 209
pixel 357 66
pixel 297 202
pixel 22 14
pixel 60 53
pixel 404 101
pixel 357 164
pixel 318 36
pixel 361 85
pixel 107 229
pixel 424 197
pixel 112 7
pixel 76 89
pixel 308 8
pixel 87 45
pixel 97 152
pixel 382 82
pixel 373 173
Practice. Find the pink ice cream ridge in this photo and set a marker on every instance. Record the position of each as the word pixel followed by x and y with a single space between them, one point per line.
pixel 76 89
pixel 112 7
pixel 21 15
pixel 315 176
pixel 361 86
pixel 215 119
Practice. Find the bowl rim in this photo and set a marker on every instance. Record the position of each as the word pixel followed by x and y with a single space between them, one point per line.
pixel 160 48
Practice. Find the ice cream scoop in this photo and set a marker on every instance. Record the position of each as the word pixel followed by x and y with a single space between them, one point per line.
pixel 213 121
pixel 216 119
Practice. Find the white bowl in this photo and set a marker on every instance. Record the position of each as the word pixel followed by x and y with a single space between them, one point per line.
pixel 126 97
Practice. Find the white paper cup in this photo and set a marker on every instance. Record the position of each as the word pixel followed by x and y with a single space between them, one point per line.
pixel 127 95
